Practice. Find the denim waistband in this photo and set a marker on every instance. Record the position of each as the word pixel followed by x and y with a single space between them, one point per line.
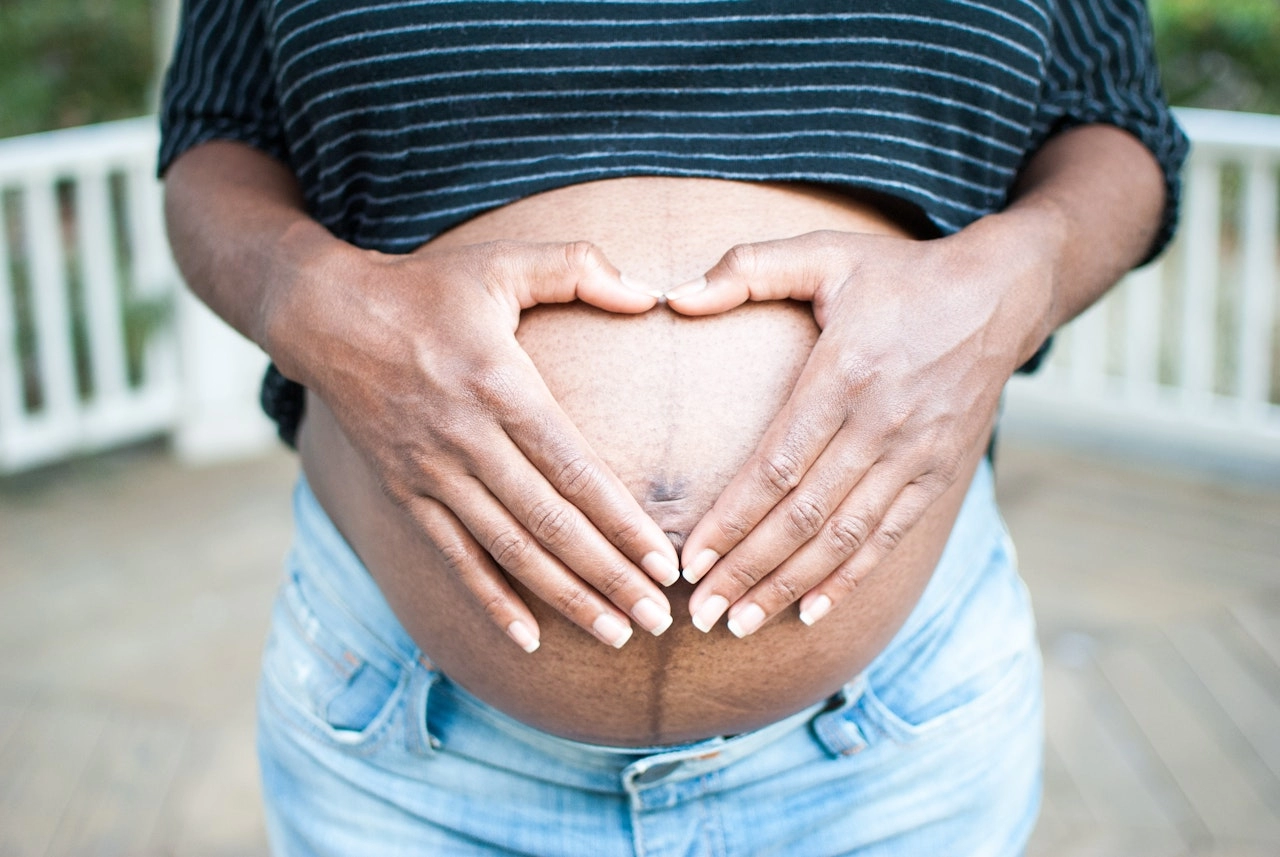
pixel 339 590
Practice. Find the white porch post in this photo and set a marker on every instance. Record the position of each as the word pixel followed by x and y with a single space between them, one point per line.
pixel 218 413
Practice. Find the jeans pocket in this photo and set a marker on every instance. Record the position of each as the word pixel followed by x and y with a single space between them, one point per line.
pixel 316 676
pixel 979 701
pixel 975 656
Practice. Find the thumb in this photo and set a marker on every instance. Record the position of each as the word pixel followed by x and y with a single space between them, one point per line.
pixel 579 270
pixel 765 271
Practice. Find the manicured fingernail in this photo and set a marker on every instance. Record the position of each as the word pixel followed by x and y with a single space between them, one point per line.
pixel 651 616
pixel 817 608
pixel 660 568
pixel 524 638
pixel 641 287
pixel 710 612
pixel 612 630
pixel 746 620
pixel 686 290
pixel 701 564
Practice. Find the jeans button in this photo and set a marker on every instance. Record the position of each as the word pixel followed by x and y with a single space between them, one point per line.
pixel 654 773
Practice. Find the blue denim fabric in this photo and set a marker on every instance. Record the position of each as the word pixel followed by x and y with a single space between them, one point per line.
pixel 934 750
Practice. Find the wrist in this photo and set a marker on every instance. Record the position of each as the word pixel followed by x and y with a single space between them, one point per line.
pixel 1027 244
pixel 310 273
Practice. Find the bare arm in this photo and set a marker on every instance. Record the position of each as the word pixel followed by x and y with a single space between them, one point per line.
pixel 918 340
pixel 417 357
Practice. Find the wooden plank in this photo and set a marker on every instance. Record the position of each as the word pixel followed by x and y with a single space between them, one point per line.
pixel 1228 804
pixel 1063 812
pixel 118 801
pixel 12 709
pixel 39 770
pixel 1261 621
pixel 1251 706
pixel 1103 759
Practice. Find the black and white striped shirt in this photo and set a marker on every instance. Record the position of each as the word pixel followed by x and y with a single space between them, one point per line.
pixel 402 119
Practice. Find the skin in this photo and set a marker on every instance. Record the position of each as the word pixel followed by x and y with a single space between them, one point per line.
pixel 918 340
pixel 458 462
pixel 673 406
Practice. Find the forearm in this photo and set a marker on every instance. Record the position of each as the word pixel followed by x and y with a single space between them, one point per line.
pixel 242 238
pixel 1085 210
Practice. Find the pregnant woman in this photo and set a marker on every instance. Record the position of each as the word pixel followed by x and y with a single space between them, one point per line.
pixel 641 359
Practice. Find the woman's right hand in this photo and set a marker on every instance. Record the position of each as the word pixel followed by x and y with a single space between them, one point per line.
pixel 417 357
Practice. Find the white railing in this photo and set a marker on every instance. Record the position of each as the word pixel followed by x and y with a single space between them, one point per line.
pixel 1184 356
pixel 99 346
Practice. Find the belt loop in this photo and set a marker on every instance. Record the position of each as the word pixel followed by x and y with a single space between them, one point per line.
pixel 835 729
pixel 418 738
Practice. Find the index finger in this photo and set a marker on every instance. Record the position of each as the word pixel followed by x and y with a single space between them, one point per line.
pixel 553 445
pixel 796 437
pixel 764 271
pixel 578 270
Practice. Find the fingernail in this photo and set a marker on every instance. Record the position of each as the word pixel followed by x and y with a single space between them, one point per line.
pixel 524 638
pixel 612 630
pixel 701 564
pixel 686 290
pixel 651 616
pixel 710 612
pixel 660 568
pixel 817 608
pixel 746 621
pixel 641 286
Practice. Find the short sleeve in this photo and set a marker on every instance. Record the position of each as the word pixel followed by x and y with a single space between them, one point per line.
pixel 1102 69
pixel 219 85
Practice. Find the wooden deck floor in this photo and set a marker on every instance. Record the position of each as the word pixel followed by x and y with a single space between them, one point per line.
pixel 134 594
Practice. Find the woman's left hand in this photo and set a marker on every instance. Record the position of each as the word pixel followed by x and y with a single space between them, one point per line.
pixel 918 339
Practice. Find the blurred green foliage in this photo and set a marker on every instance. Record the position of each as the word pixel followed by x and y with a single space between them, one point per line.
pixel 1222 54
pixel 73 62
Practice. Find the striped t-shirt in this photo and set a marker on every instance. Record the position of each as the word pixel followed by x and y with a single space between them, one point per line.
pixel 402 119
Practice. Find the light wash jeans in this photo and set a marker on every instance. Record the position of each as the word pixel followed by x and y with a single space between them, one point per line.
pixel 934 750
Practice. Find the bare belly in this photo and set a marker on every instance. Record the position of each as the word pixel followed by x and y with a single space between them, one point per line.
pixel 674 406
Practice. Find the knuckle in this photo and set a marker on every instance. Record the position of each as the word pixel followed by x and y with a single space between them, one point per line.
pixel 456 556
pixel 627 530
pixel 740 577
pixel 733 528
pixel 496 608
pixel 582 256
pixel 943 474
pixel 899 422
pixel 395 490
pixel 889 534
pixel 805 517
pixel 493 385
pixel 551 522
pixel 857 372
pixel 612 581
pixel 576 478
pixel 742 260
pixel 847 533
pixel 783 590
pixel 510 549
pixel 781 471
pixel 847 577
pixel 570 601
